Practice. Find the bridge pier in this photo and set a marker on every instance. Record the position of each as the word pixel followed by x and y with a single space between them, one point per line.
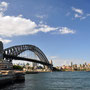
pixel 34 65
pixel 1 51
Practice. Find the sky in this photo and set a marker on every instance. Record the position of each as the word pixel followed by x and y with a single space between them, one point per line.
pixel 60 28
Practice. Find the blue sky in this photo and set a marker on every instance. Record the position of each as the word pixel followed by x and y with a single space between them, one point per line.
pixel 60 28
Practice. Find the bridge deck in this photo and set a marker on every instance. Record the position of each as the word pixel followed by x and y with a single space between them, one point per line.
pixel 25 59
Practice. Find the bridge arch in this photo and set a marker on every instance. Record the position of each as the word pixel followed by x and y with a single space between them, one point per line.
pixel 16 50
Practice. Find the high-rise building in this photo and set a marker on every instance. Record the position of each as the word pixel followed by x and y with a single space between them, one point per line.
pixel 71 64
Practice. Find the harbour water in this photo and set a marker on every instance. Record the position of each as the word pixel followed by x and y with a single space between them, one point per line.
pixel 54 81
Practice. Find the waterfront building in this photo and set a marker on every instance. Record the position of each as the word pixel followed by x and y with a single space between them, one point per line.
pixel 6 74
pixel 4 65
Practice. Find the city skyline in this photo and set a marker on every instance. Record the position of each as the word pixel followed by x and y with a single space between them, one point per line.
pixel 59 28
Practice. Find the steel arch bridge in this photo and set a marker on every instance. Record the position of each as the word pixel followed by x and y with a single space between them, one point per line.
pixel 13 52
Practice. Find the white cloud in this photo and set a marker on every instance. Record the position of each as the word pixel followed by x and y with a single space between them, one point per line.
pixel 3 6
pixel 5 41
pixel 17 25
pixel 83 18
pixel 53 57
pixel 20 15
pixel 68 13
pixel 41 16
pixel 77 16
pixel 45 28
pixel 65 30
pixel 80 11
pixel 88 14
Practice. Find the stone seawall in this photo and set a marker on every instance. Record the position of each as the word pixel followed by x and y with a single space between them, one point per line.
pixel 14 77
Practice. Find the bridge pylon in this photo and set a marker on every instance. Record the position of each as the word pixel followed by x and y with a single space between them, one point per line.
pixel 1 51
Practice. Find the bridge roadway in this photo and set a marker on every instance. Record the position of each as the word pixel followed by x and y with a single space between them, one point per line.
pixel 25 59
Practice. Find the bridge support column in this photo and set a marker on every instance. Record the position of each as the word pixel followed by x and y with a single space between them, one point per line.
pixel 1 51
pixel 34 65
